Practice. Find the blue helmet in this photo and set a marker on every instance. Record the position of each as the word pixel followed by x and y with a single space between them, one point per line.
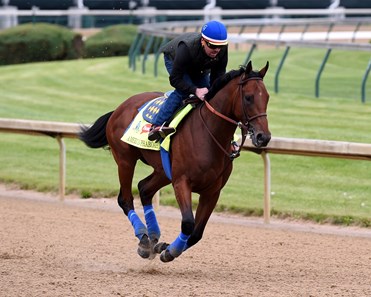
pixel 215 33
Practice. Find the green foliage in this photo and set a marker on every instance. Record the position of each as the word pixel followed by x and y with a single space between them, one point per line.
pixel 111 41
pixel 38 42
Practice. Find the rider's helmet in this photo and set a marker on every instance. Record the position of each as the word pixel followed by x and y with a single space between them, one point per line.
pixel 215 33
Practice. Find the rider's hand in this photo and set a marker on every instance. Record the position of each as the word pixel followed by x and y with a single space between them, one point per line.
pixel 201 92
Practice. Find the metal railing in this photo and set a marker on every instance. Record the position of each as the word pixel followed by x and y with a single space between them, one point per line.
pixel 152 36
pixel 57 130
pixel 77 16
pixel 277 145
pixel 150 12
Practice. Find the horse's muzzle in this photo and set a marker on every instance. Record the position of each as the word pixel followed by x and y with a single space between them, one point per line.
pixel 260 139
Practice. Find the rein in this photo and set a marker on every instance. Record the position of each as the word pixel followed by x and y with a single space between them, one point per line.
pixel 245 127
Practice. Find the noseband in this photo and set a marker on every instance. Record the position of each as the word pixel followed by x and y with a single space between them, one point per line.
pixel 245 127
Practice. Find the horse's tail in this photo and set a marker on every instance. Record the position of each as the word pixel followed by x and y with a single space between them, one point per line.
pixel 95 136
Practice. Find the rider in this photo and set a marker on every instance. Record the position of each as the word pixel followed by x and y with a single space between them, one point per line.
pixel 194 61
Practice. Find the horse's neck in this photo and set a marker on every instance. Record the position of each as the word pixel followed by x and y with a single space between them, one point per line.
pixel 220 128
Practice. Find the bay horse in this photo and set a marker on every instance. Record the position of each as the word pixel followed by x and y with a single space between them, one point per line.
pixel 200 155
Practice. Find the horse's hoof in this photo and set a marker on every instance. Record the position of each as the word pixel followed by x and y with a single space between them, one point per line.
pixel 166 256
pixel 153 253
pixel 144 247
pixel 161 246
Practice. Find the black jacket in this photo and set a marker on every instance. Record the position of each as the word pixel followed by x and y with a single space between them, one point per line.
pixel 190 58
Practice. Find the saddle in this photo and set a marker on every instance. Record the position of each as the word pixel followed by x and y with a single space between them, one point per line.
pixel 153 107
pixel 157 133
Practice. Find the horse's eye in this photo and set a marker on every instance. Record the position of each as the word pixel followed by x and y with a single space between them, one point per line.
pixel 249 99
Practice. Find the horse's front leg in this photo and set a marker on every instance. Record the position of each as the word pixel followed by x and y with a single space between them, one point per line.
pixel 206 205
pixel 176 248
pixel 147 189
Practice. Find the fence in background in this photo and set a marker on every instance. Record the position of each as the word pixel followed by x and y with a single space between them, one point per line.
pixel 83 17
pixel 56 130
pixel 303 147
pixel 154 32
pixel 151 37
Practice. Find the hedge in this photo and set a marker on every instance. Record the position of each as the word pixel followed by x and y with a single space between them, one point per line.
pixel 111 41
pixel 39 42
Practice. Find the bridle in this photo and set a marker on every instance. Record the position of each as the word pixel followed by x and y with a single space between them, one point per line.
pixel 246 128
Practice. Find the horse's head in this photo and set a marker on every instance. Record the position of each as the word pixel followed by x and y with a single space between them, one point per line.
pixel 254 99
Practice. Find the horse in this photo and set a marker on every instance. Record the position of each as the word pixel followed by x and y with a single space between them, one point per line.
pixel 201 162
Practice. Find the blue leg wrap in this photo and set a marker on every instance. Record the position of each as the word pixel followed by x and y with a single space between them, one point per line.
pixel 139 228
pixel 178 246
pixel 151 222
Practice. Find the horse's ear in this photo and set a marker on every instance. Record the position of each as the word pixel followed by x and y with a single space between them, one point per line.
pixel 248 67
pixel 264 70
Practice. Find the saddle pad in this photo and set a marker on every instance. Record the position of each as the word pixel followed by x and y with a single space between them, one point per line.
pixel 137 135
pixel 137 132
pixel 151 110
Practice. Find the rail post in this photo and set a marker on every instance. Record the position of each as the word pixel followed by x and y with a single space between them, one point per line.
pixel 136 51
pixel 132 49
pixel 364 79
pixel 279 69
pixel 321 70
pixel 62 167
pixel 253 47
pixel 267 187
pixel 157 55
pixel 355 31
pixel 146 52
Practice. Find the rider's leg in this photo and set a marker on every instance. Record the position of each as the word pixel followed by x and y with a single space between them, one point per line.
pixel 168 108
pixel 172 103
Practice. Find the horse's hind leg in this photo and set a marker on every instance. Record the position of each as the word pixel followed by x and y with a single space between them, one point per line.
pixel 126 201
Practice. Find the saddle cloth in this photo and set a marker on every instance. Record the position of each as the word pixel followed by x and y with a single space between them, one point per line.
pixel 137 132
pixel 151 109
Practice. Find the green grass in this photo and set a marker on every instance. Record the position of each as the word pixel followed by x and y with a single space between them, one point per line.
pixel 319 189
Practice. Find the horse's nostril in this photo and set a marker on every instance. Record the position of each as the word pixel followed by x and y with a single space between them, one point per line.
pixel 259 137
pixel 262 139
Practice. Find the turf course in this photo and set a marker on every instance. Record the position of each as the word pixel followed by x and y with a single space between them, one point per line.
pixel 319 189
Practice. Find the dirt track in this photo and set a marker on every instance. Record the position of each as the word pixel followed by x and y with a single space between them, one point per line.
pixel 87 248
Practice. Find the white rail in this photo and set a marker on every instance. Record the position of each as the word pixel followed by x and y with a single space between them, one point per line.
pixel 277 145
pixel 53 129
pixel 305 147
pixel 152 12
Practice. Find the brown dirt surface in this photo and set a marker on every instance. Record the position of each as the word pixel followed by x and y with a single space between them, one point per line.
pixel 87 248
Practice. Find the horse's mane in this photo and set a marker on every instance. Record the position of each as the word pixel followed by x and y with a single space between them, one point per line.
pixel 220 82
